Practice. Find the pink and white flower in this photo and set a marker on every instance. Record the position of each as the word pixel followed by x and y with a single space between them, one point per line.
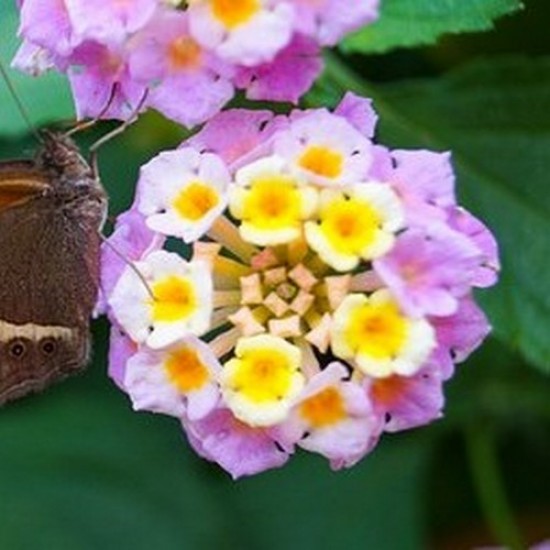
pixel 162 297
pixel 235 446
pixel 178 380
pixel 186 82
pixel 108 22
pixel 247 32
pixel 185 59
pixel 182 192
pixel 287 77
pixel 333 417
pixel 325 149
pixel 329 20
pixel 430 271
pixel 405 402
pixel 327 297
pixel 101 83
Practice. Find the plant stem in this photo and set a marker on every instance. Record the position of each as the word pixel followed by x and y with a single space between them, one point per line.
pixel 489 486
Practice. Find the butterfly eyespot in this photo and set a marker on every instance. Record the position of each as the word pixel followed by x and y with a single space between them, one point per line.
pixel 17 349
pixel 48 346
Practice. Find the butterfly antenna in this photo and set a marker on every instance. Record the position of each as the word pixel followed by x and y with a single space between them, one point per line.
pixel 89 123
pixel 132 118
pixel 19 103
pixel 110 135
pixel 130 264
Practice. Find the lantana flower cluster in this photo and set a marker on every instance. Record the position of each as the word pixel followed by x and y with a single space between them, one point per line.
pixel 323 300
pixel 184 59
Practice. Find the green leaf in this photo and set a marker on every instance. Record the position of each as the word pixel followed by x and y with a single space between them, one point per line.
pixel 305 505
pixel 496 384
pixel 420 22
pixel 80 469
pixel 495 117
pixel 46 98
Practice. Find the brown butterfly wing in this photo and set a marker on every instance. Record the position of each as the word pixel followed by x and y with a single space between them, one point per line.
pixel 49 250
pixel 19 182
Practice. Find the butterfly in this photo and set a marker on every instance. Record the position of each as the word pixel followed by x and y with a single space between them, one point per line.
pixel 52 209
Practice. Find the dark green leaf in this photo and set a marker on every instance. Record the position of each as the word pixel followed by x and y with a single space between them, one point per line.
pixel 305 505
pixel 496 383
pixel 79 469
pixel 420 22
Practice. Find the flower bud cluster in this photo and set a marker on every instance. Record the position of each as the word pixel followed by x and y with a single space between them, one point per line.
pixel 325 296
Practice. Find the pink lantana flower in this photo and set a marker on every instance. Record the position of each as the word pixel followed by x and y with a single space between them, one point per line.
pixel 235 446
pixel 33 59
pixel 247 32
pixel 161 297
pixel 325 149
pixel 329 20
pixel 288 76
pixel 121 348
pixel 183 192
pixel 190 57
pixel 178 380
pixel 360 113
pixel 333 417
pixel 101 83
pixel 321 309
pixel 248 140
pixel 130 241
pixel 430 271
pixel 462 332
pixel 425 182
pixel 187 83
pixel 109 22
pixel 463 221
pixel 46 23
pixel 404 402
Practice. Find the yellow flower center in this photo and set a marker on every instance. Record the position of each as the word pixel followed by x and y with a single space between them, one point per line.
pixel 322 161
pixel 175 299
pixel 186 370
pixel 195 201
pixel 273 202
pixel 378 330
pixel 264 375
pixel 232 13
pixel 323 409
pixel 349 224
pixel 184 53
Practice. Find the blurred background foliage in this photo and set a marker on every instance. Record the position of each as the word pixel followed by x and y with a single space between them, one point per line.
pixel 79 469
